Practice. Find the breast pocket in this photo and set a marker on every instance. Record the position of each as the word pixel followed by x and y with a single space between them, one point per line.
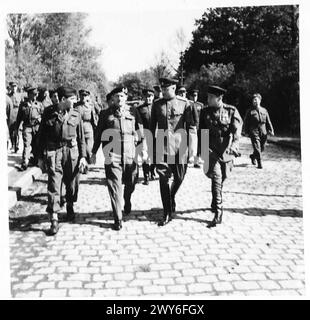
pixel 71 127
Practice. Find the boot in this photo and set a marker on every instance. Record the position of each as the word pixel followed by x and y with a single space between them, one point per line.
pixel 117 225
pixel 146 180
pixel 166 219
pixel 70 212
pixel 173 204
pixel 127 208
pixel 259 164
pixel 217 218
pixel 252 157
pixel 54 227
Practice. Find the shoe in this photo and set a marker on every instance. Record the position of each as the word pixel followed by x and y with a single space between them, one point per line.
pixel 146 181
pixel 54 227
pixel 117 225
pixel 23 167
pixel 198 166
pixel 253 159
pixel 70 213
pixel 173 205
pixel 152 176
pixel 165 220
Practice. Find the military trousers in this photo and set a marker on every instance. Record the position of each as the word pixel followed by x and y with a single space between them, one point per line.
pixel 116 175
pixel 14 136
pixel 192 143
pixel 62 167
pixel 218 172
pixel 30 139
pixel 258 143
pixel 89 139
pixel 167 192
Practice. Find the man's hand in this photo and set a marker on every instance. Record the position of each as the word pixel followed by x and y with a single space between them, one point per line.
pixel 144 155
pixel 82 164
pixel 271 133
pixel 93 158
pixel 41 164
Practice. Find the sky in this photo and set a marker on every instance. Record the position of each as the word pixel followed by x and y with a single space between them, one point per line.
pixel 132 40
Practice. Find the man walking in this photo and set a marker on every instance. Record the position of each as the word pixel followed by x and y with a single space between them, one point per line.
pixel 224 124
pixel 258 125
pixel 62 144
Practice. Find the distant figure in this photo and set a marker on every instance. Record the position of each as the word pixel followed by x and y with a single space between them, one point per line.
pixel 16 99
pixel 197 107
pixel 44 97
pixel 257 125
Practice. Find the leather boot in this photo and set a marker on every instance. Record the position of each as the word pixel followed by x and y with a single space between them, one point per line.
pixel 117 225
pixel 70 212
pixel 54 227
pixel 166 219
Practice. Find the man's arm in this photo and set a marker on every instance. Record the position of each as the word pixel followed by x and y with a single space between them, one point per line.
pixel 81 138
pixel 269 124
pixel 98 131
pixel 236 129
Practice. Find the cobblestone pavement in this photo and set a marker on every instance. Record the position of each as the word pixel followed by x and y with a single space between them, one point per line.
pixel 257 250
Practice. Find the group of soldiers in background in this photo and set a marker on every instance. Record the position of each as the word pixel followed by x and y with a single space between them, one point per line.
pixel 65 135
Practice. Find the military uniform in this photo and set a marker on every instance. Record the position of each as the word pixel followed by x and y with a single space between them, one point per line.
pixel 12 112
pixel 88 115
pixel 145 115
pixel 120 163
pixel 257 124
pixel 30 113
pixel 171 115
pixel 62 144
pixel 224 124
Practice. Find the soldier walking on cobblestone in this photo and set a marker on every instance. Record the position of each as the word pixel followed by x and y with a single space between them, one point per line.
pixel 224 124
pixel 62 144
pixel 89 119
pixel 258 125
pixel 122 126
pixel 145 115
pixel 170 114
pixel 30 112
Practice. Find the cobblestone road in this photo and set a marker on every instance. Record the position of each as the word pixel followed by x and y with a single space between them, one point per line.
pixel 258 249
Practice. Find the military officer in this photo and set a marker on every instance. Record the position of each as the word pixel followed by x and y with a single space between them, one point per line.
pixel 157 92
pixel 16 99
pixel 258 125
pixel 182 92
pixel 172 115
pixel 145 114
pixel 120 125
pixel 89 120
pixel 30 112
pixel 54 96
pixel 62 144
pixel 224 124
pixel 197 106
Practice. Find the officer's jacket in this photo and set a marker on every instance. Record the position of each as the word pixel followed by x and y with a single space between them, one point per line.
pixel 145 115
pixel 123 127
pixel 60 129
pixel 196 107
pixel 224 125
pixel 30 113
pixel 172 115
pixel 88 115
pixel 12 107
pixel 257 120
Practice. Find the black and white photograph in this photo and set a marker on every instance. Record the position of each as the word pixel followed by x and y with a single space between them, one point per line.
pixel 153 151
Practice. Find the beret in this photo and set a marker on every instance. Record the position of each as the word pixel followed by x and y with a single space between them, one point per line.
pixel 182 89
pixel 13 83
pixel 84 92
pixel 146 90
pixel 32 89
pixel 66 92
pixel 218 91
pixel 118 90
pixel 166 82
pixel 257 95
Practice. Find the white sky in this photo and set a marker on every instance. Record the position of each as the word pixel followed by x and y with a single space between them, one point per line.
pixel 130 42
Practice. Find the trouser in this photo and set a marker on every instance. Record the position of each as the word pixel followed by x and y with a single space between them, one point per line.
pixel 148 169
pixel 116 175
pixel 62 167
pixel 89 139
pixel 14 137
pixel 258 143
pixel 218 172
pixel 193 143
pixel 167 192
pixel 30 136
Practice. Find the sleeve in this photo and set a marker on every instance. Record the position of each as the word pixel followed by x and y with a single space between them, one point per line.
pixel 246 122
pixel 153 121
pixel 190 115
pixel 236 129
pixel 195 115
pixel 268 123
pixel 42 136
pixel 19 116
pixel 201 126
pixel 139 128
pixel 81 138
pixel 98 132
